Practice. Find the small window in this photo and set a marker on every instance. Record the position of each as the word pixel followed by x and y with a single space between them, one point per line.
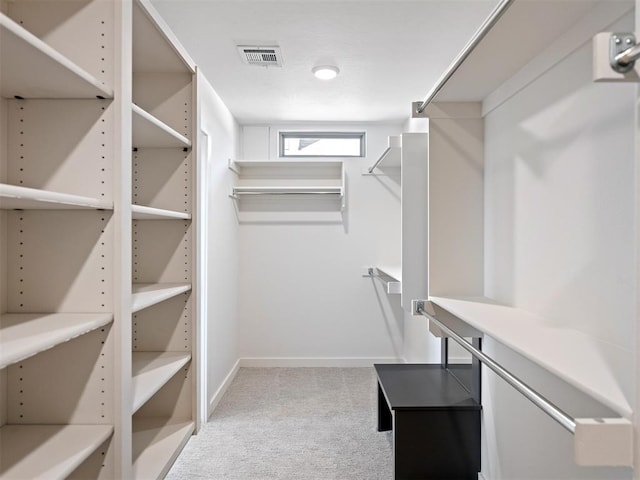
pixel 322 144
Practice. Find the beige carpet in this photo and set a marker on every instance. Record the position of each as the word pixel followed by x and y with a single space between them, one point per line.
pixel 292 423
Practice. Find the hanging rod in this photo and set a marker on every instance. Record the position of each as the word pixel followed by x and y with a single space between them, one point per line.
pixel 384 154
pixel 545 405
pixel 488 24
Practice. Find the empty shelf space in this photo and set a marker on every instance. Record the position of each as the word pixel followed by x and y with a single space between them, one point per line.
pixel 47 451
pixel 590 368
pixel 147 294
pixel 139 212
pixel 150 132
pixel 29 68
pixel 151 370
pixel 13 197
pixel 25 334
pixel 157 442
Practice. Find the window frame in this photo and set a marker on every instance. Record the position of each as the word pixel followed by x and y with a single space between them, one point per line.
pixel 285 134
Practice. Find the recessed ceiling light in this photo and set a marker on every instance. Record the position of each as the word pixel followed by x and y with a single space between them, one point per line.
pixel 325 72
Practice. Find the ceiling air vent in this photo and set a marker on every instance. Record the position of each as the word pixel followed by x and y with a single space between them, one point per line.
pixel 261 56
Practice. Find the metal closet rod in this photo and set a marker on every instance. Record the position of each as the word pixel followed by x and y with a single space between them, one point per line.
pixel 545 405
pixel 488 24
pixel 384 154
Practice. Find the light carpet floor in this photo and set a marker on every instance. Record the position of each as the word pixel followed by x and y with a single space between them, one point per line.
pixel 292 423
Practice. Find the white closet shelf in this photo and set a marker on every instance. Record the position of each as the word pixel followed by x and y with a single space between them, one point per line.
pixel 590 366
pixel 151 371
pixel 486 68
pixel 157 442
pixel 29 68
pixel 13 197
pixel 140 212
pixel 150 132
pixel 23 335
pixel 147 294
pixel 47 451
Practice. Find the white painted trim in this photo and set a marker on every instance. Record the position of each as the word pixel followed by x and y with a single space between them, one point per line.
pixel 481 476
pixel 292 362
pixel 215 399
pixel 602 16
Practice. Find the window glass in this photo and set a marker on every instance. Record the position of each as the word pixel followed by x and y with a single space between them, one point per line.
pixel 322 144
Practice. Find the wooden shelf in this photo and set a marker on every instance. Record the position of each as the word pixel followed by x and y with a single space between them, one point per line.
pixel 147 294
pixel 157 442
pixel 533 26
pixel 150 132
pixel 13 197
pixel 29 68
pixel 579 359
pixel 47 451
pixel 139 212
pixel 151 370
pixel 23 335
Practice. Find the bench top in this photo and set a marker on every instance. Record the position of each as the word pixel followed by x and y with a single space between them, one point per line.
pixel 422 387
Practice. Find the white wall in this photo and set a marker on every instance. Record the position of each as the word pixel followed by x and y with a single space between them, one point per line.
pixel 559 242
pixel 304 300
pixel 221 289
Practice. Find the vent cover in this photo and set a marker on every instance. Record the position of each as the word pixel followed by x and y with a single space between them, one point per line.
pixel 261 56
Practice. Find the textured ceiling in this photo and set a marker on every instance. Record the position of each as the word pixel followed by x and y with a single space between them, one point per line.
pixel 390 52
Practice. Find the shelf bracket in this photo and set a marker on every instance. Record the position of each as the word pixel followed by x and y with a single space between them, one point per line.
pixel 230 165
pixel 614 57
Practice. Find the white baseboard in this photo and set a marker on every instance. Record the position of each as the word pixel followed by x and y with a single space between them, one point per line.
pixel 213 402
pixel 350 362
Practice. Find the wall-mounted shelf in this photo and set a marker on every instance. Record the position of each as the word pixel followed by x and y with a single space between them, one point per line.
pixel 140 212
pixel 29 68
pixel 151 371
pixel 13 197
pixel 156 444
pixel 47 451
pixel 147 294
pixel 590 367
pixel 150 132
pixel 266 188
pixel 390 158
pixel 25 334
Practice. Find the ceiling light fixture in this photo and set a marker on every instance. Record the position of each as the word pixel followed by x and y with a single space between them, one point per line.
pixel 325 72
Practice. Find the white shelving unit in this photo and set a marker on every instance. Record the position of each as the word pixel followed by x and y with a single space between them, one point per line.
pixel 164 322
pixel 409 153
pixel 289 190
pixel 97 295
pixel 465 261
pixel 56 210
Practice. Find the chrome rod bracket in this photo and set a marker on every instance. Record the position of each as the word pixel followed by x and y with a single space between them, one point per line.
pixel 623 51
